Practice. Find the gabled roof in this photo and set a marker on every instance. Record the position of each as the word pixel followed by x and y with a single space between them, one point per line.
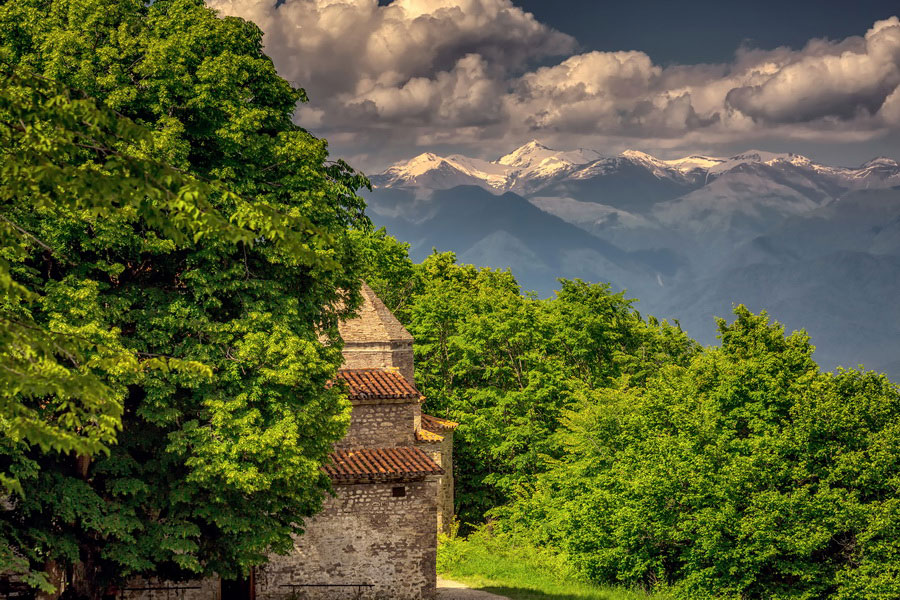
pixel 436 424
pixel 375 323
pixel 377 384
pixel 404 463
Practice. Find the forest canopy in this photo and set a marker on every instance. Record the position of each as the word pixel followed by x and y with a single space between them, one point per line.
pixel 174 247
pixel 736 471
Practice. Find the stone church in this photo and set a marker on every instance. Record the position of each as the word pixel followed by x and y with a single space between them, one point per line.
pixel 376 538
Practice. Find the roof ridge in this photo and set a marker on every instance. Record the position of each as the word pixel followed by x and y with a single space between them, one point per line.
pixel 374 322
pixel 437 424
pixel 428 436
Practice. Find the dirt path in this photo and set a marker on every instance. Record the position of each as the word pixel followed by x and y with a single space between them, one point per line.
pixel 452 590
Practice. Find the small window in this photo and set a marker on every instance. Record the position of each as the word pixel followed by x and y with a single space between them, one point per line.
pixel 398 492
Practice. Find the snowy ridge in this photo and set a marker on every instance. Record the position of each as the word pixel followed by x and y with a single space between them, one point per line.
pixel 529 168
pixel 816 245
pixel 534 156
pixel 530 162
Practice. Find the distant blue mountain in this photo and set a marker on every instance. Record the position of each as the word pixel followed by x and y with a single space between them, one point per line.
pixel 816 246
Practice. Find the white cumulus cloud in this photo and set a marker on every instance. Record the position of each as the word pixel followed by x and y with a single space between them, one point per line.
pixel 387 81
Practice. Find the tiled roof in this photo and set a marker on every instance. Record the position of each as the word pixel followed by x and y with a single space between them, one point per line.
pixel 377 384
pixel 423 435
pixel 435 424
pixel 374 323
pixel 380 464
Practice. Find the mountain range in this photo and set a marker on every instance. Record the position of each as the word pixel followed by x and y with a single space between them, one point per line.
pixel 817 246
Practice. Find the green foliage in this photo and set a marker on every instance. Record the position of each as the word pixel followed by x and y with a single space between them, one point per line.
pixel 506 566
pixel 745 474
pixel 387 268
pixel 167 270
pixel 507 366
pixel 61 154
pixel 622 451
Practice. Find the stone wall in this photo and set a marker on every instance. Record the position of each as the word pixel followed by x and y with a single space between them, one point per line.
pixel 380 355
pixel 364 535
pixel 381 425
pixel 442 453
pixel 445 508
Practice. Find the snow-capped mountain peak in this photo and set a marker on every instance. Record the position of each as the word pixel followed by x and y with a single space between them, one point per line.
pixel 653 164
pixel 638 155
pixel 419 164
pixel 525 154
pixel 696 162
pixel 535 155
pixel 724 165
pixel 882 162
pixel 533 166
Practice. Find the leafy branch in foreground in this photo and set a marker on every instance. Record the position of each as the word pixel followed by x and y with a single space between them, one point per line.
pixel 62 151
pixel 168 223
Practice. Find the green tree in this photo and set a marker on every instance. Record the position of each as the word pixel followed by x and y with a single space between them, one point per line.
pixel 745 474
pixel 388 270
pixel 156 284
pixel 507 366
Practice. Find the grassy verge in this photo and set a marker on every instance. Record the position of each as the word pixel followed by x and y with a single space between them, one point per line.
pixel 521 573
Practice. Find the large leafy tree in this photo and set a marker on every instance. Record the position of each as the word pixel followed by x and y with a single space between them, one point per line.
pixel 210 472
pixel 746 474
pixel 507 366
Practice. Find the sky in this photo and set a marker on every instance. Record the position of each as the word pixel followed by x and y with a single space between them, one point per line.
pixel 388 80
pixel 706 31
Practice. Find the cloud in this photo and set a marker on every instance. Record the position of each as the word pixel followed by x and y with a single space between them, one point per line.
pixel 387 81
pixel 890 110
pixel 353 46
pixel 817 84
pixel 464 95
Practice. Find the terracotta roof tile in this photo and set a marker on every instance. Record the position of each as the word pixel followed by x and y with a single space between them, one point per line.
pixel 436 424
pixel 380 464
pixel 423 435
pixel 377 384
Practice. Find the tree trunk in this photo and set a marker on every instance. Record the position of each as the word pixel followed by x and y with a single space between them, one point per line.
pixel 85 584
pixel 82 464
pixel 57 576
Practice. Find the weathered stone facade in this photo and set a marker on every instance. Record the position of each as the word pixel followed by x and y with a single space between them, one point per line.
pixel 394 355
pixel 441 452
pixel 381 425
pixel 376 538
pixel 367 535
pixel 376 339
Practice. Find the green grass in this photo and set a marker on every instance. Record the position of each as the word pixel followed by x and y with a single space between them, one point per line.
pixel 520 572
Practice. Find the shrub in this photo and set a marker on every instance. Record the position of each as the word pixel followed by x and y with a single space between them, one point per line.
pixel 746 474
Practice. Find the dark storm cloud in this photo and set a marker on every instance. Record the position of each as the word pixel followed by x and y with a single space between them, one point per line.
pixel 386 81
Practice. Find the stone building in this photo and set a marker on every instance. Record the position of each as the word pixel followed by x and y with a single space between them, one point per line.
pixel 376 538
pixel 435 437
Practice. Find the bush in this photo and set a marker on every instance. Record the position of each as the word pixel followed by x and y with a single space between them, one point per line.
pixel 746 474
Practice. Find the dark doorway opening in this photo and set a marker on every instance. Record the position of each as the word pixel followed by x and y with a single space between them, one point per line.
pixel 239 589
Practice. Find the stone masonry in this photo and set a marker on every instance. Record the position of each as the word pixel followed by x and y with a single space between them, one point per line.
pixel 381 426
pixel 435 437
pixel 365 535
pixel 376 339
pixel 392 476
